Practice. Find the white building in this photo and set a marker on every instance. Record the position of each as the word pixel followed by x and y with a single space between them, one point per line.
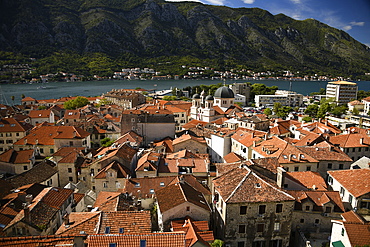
pixel 285 98
pixel 342 91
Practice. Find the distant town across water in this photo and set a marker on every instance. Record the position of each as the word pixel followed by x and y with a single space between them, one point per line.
pixel 96 88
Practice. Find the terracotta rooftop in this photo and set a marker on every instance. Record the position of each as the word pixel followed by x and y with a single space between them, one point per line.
pixel 45 135
pixel 163 239
pixel 243 185
pixel 188 137
pixel 17 157
pixel 196 231
pixel 177 194
pixel 38 174
pixel 358 234
pixel 12 125
pixel 320 198
pixel 351 140
pixel 39 114
pixel 356 181
pixel 308 179
pixel 35 241
pixel 121 170
pixel 232 157
pixel 113 222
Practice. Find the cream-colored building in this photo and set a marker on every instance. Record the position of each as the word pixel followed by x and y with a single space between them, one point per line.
pixel 342 91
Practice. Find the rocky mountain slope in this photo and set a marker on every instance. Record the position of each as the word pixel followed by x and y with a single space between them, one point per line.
pixel 152 28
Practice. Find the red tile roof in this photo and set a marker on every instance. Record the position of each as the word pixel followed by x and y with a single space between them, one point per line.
pixel 358 234
pixel 243 185
pixel 320 198
pixel 308 179
pixel 36 241
pixel 193 233
pixel 45 135
pixel 163 239
pixel 356 181
pixel 177 194
pixel 188 137
pixel 232 157
pixel 12 125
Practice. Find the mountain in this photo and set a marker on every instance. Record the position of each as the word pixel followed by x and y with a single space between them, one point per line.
pixel 155 28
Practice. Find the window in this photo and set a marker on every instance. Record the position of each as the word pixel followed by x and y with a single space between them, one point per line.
pixel 279 208
pixel 41 150
pixel 301 221
pixel 260 227
pixel 342 233
pixel 327 209
pixel 241 229
pixel 17 134
pixel 71 143
pixel 350 198
pixel 307 208
pixel 276 243
pixel 70 179
pixel 112 245
pixel 122 230
pixel 317 221
pixel 107 230
pixel 51 150
pixel 259 244
pixel 353 149
pixel 188 208
pixel 243 210
pixel 25 168
pixel 137 185
pixel 151 191
pixel 105 185
pixel 161 184
pixel 341 166
pixel 277 226
pixel 296 168
pixel 262 209
pixel 342 191
pixel 69 170
pixel 308 168
pixel 330 165
pixel 143 243
pixel 240 244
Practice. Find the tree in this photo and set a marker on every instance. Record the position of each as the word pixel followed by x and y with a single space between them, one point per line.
pixel 106 142
pixel 76 103
pixel 311 110
pixel 307 119
pixel 339 110
pixel 355 111
pixel 169 98
pixel 217 243
pixel 23 96
pixel 267 111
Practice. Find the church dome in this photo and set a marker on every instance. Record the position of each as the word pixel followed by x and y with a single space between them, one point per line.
pixel 209 97
pixel 196 96
pixel 224 92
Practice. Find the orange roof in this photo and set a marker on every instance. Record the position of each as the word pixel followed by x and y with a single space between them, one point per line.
pixel 105 196
pixel 163 239
pixel 194 123
pixel 177 194
pixel 45 135
pixel 28 99
pixel 352 217
pixel 242 185
pixel 188 137
pixel 12 125
pixel 356 181
pixel 320 198
pixel 309 179
pixel 351 140
pixel 17 157
pixel 122 171
pixel 193 233
pixel 358 234
pixel 232 157
pixel 39 114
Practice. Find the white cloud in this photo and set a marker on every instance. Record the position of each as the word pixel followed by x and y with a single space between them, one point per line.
pixel 184 1
pixel 346 28
pixel 360 23
pixel 296 1
pixel 249 1
pixel 216 2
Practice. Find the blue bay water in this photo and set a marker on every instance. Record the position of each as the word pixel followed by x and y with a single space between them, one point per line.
pixel 54 90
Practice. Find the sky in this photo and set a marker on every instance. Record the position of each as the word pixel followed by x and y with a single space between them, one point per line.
pixel 351 16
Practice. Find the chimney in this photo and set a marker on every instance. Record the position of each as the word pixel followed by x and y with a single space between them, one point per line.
pixel 362 141
pixel 280 177
pixel 25 141
pixel 26 210
pixel 66 219
pixel 29 199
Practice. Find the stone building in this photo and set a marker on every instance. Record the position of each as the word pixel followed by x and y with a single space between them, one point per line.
pixel 249 211
pixel 125 98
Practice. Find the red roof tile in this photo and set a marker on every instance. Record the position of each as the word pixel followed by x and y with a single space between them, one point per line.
pixel 356 181
pixel 309 179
